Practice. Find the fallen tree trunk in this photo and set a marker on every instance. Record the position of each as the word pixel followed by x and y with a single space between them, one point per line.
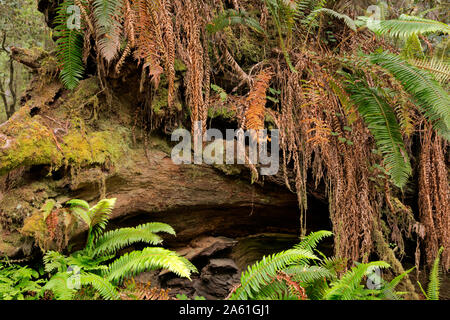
pixel 55 148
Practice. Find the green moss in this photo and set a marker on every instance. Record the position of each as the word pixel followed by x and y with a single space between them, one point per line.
pixel 222 112
pixel 160 144
pixel 229 169
pixel 85 94
pixel 179 66
pixel 245 48
pixel 160 101
pixel 34 144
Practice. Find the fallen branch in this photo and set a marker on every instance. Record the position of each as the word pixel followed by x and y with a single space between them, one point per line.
pixel 29 58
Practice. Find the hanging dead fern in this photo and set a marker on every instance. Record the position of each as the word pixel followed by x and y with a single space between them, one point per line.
pixel 256 102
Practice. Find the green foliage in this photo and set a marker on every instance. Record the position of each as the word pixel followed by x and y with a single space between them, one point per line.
pixel 107 27
pixel 18 283
pixel 382 123
pixel 95 264
pixel 112 241
pixel 264 271
pixel 105 288
pixel 413 47
pixel 434 281
pixel 438 68
pixel 283 18
pixel 255 281
pixel 69 48
pixel 148 259
pixel 434 284
pixel 58 285
pixel 406 26
pixel 185 297
pixel 349 287
pixel 285 274
pixel 311 241
pixel 428 95
pixel 347 20
pixel 96 217
pixel 222 93
pixel 232 17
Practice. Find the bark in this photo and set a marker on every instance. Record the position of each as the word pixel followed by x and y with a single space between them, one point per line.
pixel 52 148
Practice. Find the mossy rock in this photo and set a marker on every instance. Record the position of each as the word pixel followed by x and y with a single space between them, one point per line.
pixel 36 143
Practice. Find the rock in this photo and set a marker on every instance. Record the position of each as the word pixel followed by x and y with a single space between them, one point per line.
pixel 223 264
pixel 206 246
pixel 217 278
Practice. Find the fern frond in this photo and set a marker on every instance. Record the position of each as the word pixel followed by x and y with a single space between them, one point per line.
pixel 54 261
pixel 135 262
pixel 80 208
pixel 310 241
pixel 307 274
pixel 69 51
pixel 431 98
pixel 99 213
pixel 309 10
pixel 86 261
pixel 434 284
pixel 348 286
pixel 383 124
pixel 106 290
pixel 256 102
pixel 278 10
pixel 406 26
pixel 304 8
pixel 58 284
pixel 347 20
pixel 263 271
pixel 438 68
pixel 231 17
pixel 108 28
pixel 276 290
pixel 112 241
pixel 388 289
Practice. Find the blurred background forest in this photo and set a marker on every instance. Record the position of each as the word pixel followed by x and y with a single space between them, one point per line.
pixel 21 25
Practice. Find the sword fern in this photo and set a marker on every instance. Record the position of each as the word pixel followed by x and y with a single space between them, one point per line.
pixel 428 94
pixel 382 123
pixel 69 47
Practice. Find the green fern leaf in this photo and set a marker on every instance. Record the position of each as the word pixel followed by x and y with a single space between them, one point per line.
pixel 262 272
pixel 69 48
pixel 80 208
pixel 348 287
pixel 430 97
pixel 310 241
pixel 231 17
pixel 58 284
pixel 112 241
pixel 434 284
pixel 406 26
pixel 383 124
pixel 104 287
pixel 135 262
pixel 99 214
pixel 348 21
pixel 54 261
pixel 307 274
